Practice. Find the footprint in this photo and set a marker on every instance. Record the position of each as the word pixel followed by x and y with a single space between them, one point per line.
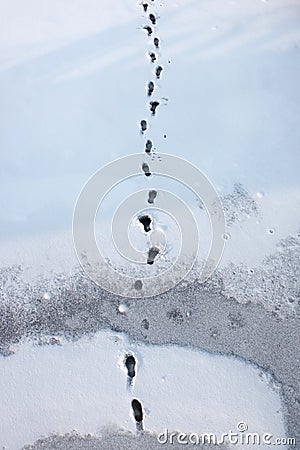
pixel 138 413
pixel 138 285
pixel 146 169
pixel 143 126
pixel 149 146
pixel 152 253
pixel 130 364
pixel 146 222
pixel 152 57
pixel 158 71
pixel 153 106
pixel 150 88
pixel 152 18
pixel 156 42
pixel 148 29
pixel 145 6
pixel 145 324
pixel 152 196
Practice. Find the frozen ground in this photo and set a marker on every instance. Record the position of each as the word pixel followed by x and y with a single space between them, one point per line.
pixel 72 86
pixel 198 316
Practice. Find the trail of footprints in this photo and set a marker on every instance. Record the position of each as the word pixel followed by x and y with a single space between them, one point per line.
pixel 130 362
pixel 153 106
pixel 136 405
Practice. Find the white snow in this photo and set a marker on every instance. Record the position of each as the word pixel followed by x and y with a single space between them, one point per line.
pixel 122 308
pixel 72 88
pixel 82 385
pixel 72 84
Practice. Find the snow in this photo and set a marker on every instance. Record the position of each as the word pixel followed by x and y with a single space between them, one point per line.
pixel 73 80
pixel 122 308
pixel 82 385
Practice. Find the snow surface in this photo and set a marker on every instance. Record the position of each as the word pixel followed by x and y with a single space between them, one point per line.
pixel 72 87
pixel 72 84
pixel 83 385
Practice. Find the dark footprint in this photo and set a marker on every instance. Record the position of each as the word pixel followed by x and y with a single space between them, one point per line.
pixel 153 106
pixel 130 365
pixel 148 29
pixel 146 169
pixel 145 324
pixel 149 146
pixel 156 42
pixel 143 126
pixel 138 285
pixel 152 196
pixel 158 71
pixel 150 88
pixel 152 18
pixel 153 252
pixel 146 222
pixel 137 410
pixel 152 57
pixel 145 6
